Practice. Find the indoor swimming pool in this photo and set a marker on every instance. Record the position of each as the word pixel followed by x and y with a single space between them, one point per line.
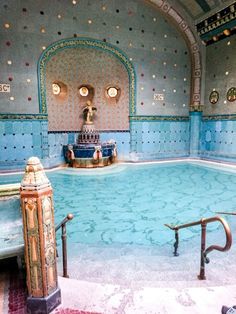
pixel 121 211
pixel 132 206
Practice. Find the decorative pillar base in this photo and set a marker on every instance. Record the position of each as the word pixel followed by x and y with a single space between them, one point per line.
pixel 43 305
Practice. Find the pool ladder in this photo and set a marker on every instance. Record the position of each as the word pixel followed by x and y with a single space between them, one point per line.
pixel 62 225
pixel 203 222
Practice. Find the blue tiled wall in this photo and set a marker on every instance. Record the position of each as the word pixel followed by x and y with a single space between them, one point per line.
pixel 55 147
pixel 218 140
pixel 160 139
pixel 19 141
pixel 148 140
pixel 122 140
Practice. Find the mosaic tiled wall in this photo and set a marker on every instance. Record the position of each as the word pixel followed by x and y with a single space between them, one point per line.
pixel 218 139
pixel 152 140
pixel 220 75
pixel 156 48
pixel 218 128
pixel 86 66
pixel 19 141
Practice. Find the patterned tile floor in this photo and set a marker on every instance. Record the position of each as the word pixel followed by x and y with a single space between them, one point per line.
pixel 13 292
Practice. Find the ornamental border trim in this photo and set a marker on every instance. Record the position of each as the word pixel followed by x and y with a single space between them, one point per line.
pixel 158 118
pixel 18 116
pixel 87 43
pixel 220 117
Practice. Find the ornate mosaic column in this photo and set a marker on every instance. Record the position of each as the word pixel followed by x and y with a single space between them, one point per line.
pixel 39 237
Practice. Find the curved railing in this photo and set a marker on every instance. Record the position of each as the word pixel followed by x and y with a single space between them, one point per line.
pixel 62 225
pixel 203 222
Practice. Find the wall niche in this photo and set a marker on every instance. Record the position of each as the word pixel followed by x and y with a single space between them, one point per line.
pixel 87 73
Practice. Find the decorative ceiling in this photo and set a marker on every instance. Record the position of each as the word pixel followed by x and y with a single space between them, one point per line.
pixel 200 9
pixel 218 24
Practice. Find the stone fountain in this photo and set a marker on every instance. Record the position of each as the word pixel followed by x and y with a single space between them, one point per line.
pixel 89 152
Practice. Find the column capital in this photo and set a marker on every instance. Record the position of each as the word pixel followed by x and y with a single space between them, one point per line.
pixel 196 108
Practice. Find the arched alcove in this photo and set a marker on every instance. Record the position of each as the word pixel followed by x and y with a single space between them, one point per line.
pixel 79 62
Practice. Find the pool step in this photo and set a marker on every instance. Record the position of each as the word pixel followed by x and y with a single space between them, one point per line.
pixel 159 271
pixel 133 299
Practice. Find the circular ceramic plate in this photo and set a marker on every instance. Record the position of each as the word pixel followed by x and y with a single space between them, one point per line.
pixel 112 92
pixel 231 94
pixel 84 91
pixel 56 89
pixel 214 97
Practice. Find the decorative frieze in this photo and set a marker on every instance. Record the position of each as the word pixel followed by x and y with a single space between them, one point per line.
pixel 158 118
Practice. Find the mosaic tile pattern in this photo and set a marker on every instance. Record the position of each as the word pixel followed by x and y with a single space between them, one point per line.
pixel 78 66
pixel 157 50
pixel 17 294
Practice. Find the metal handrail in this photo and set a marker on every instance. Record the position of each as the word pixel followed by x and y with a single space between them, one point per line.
pixel 227 213
pixel 62 225
pixel 203 222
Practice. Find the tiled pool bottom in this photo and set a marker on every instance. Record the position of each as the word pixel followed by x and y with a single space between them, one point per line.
pixel 118 232
pixel 130 207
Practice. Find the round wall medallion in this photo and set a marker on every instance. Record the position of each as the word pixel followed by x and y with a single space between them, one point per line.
pixel 231 94
pixel 112 92
pixel 56 89
pixel 84 91
pixel 214 97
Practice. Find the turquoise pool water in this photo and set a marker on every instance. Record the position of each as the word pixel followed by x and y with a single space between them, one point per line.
pixel 129 204
pixel 132 206
pixel 11 178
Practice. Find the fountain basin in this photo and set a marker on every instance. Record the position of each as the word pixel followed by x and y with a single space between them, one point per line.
pixel 89 155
